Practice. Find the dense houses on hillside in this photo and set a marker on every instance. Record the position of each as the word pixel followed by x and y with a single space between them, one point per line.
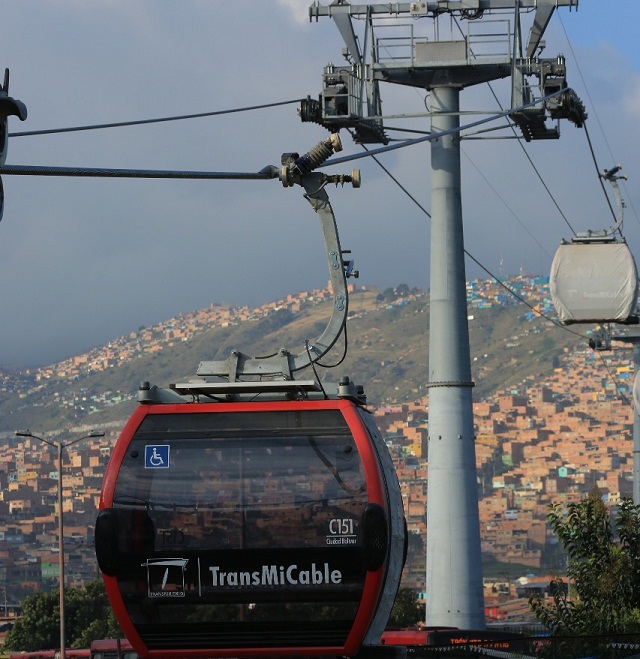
pixel 28 384
pixel 539 443
pixel 28 513
pixel 144 341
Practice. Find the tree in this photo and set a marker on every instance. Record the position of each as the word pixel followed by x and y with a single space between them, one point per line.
pixel 603 593
pixel 405 611
pixel 88 616
pixel 387 294
pixel 276 320
pixel 39 626
pixel 402 290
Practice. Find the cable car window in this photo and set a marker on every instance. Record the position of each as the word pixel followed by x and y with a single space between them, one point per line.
pixel 280 421
pixel 250 517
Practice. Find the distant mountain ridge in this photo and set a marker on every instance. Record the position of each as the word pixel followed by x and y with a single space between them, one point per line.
pixel 387 352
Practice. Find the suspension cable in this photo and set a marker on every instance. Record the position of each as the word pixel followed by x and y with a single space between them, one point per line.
pixel 140 122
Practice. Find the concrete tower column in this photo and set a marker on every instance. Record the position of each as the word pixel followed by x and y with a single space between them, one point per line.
pixel 454 570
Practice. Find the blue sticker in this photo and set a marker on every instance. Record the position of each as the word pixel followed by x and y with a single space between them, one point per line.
pixel 156 456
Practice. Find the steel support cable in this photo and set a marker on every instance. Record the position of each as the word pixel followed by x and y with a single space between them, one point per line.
pixel 395 180
pixel 546 187
pixel 266 172
pixel 443 133
pixel 473 258
pixel 533 166
pixel 621 395
pixel 595 112
pixel 535 169
pixel 506 205
pixel 521 299
pixel 480 265
pixel 595 164
pixel 120 124
pixel 584 83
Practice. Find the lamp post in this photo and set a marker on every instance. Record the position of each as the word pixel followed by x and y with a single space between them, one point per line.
pixel 60 446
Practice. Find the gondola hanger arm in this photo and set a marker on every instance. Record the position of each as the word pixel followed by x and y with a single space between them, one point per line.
pixel 298 170
pixel 612 175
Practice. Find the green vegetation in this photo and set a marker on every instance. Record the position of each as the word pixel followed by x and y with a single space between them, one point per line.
pixel 88 616
pixel 406 611
pixel 506 571
pixel 603 594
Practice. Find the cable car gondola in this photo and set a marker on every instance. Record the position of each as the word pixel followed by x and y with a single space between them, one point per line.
pixel 594 282
pixel 249 526
pixel 593 277
pixel 254 517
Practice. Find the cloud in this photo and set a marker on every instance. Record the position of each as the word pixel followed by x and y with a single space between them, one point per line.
pixel 85 260
pixel 297 9
pixel 631 99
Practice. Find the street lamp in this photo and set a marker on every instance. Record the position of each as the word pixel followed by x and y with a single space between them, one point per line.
pixel 60 446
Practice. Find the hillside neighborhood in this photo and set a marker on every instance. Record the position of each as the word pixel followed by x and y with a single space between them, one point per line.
pixel 537 443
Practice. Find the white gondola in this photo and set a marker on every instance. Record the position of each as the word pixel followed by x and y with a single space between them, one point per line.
pixel 594 278
pixel 594 283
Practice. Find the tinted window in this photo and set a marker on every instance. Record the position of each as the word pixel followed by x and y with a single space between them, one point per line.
pixel 241 518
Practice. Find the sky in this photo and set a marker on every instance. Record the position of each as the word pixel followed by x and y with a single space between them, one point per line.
pixel 84 261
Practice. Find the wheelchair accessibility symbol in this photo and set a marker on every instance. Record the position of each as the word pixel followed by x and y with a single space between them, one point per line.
pixel 156 456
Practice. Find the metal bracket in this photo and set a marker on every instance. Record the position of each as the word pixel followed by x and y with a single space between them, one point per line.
pixel 554 98
pixel 601 338
pixel 298 170
pixel 606 235
pixel 242 375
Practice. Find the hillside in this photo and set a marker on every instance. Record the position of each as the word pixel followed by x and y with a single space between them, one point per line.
pixel 387 353
pixel 556 423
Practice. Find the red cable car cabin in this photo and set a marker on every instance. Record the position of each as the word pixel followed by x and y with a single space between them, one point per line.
pixel 251 529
